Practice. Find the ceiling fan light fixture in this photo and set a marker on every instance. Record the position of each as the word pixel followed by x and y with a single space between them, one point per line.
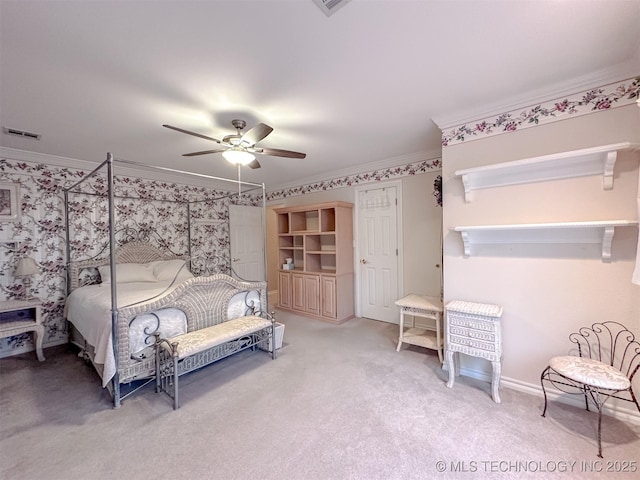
pixel 238 149
pixel 238 156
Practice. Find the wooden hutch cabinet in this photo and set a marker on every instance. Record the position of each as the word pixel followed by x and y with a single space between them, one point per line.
pixel 319 239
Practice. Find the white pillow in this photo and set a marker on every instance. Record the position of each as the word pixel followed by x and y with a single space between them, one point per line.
pixel 166 270
pixel 128 272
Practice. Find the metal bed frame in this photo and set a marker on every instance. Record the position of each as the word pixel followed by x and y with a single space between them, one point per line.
pixel 111 195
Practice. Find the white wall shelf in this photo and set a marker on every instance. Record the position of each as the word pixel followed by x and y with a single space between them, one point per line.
pixel 577 163
pixel 597 232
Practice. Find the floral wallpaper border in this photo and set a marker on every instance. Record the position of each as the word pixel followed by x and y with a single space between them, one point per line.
pixel 414 168
pixel 614 95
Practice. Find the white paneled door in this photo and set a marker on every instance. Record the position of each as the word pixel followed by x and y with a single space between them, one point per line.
pixel 378 249
pixel 247 242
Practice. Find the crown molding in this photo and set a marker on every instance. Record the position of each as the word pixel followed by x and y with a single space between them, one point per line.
pixel 619 72
pixel 363 168
pixel 176 176
pixel 35 157
pixel 186 178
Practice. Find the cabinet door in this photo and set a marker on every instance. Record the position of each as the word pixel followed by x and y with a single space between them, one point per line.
pixel 306 293
pixel 312 294
pixel 328 297
pixel 284 289
pixel 297 291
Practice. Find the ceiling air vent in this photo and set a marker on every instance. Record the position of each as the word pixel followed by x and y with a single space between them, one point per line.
pixel 329 7
pixel 20 133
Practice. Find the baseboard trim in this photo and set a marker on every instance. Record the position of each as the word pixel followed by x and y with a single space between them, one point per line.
pixel 615 410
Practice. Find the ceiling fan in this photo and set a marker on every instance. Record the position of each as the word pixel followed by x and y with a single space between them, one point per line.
pixel 239 148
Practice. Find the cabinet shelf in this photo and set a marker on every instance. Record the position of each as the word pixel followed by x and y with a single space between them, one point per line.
pixel 596 232
pixel 589 161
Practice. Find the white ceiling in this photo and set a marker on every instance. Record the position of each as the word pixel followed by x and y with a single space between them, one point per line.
pixel 360 87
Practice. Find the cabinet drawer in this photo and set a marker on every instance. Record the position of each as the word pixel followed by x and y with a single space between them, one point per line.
pixel 484 336
pixel 454 340
pixel 19 315
pixel 472 321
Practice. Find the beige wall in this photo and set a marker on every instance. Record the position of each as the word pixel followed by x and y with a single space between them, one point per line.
pixel 547 291
pixel 422 226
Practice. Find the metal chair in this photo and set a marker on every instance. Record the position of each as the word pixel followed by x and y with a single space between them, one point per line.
pixel 608 358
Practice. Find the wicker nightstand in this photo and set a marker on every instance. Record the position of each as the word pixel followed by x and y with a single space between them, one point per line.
pixel 474 329
pixel 21 316
pixel 426 307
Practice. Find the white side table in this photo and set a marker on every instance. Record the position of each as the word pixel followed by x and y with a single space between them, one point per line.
pixel 21 316
pixel 426 307
pixel 474 329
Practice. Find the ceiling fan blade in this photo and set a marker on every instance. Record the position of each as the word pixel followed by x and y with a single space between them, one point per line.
pixel 204 152
pixel 257 133
pixel 192 133
pixel 276 152
pixel 255 164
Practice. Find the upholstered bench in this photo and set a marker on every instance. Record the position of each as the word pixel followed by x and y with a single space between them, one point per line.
pixel 192 350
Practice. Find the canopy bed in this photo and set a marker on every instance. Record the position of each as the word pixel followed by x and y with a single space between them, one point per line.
pixel 144 279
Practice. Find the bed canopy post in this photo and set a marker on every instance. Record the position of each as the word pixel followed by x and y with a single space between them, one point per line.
pixel 264 242
pixel 67 244
pixel 115 381
pixel 189 233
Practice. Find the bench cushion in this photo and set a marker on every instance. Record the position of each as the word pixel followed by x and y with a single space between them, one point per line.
pixel 199 340
pixel 590 372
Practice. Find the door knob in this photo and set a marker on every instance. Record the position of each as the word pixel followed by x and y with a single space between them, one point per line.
pixel 235 259
pixel 363 261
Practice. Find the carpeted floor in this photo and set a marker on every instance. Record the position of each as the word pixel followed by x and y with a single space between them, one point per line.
pixel 338 403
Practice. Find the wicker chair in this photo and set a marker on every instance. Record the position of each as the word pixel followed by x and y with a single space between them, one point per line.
pixel 608 358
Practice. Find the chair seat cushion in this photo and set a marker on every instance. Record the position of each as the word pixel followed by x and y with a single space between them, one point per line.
pixel 590 372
